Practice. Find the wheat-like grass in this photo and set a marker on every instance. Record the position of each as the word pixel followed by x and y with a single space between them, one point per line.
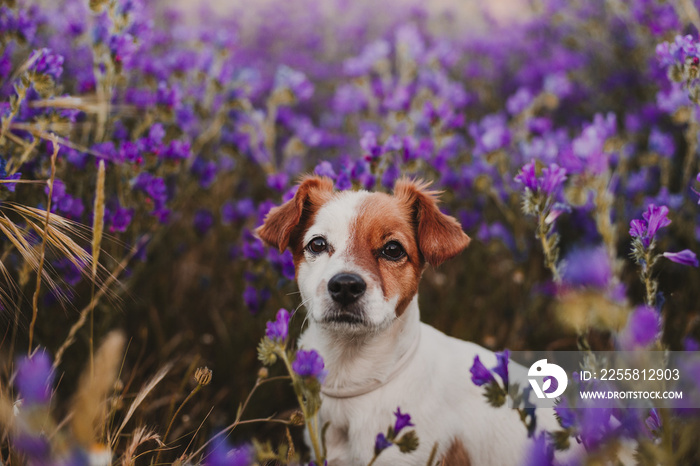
pixel 143 393
pixel 89 405
pixel 140 436
pixel 98 219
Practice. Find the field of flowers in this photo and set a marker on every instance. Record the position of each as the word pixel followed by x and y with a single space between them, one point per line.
pixel 140 147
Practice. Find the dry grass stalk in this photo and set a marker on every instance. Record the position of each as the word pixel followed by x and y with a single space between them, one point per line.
pixel 143 393
pixel 90 401
pixel 98 222
pixel 35 300
pixel 138 438
pixel 97 231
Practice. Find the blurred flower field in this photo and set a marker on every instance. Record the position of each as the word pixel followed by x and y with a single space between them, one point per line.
pixel 140 146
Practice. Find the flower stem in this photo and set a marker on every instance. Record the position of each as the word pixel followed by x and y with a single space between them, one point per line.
pixel 308 420
pixel 35 299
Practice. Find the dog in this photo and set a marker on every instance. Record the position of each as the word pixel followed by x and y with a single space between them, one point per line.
pixel 359 257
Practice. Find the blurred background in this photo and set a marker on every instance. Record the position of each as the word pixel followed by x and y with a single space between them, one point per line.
pixel 205 114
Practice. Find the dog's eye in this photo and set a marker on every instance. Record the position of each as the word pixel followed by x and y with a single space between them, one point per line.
pixel 393 251
pixel 317 245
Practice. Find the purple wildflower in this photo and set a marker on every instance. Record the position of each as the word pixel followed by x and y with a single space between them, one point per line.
pixel 295 81
pixel 34 379
pixel 527 176
pixel 44 61
pixel 587 267
pixel 661 143
pixel 502 366
pixel 381 443
pixel 642 328
pixel 654 219
pixel 684 257
pixel 566 415
pixel 540 453
pixel 120 219
pixel 278 329
pixel 324 168
pixel 203 221
pixel 552 178
pixel 402 420
pixel 308 363
pixel 222 454
pixel 480 374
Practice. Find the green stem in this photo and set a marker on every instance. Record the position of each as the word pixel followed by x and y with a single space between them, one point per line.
pixel 307 420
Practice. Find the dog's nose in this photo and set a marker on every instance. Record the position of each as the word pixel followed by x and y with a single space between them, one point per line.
pixel 346 288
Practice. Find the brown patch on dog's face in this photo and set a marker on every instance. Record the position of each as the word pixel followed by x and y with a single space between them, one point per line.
pixel 382 221
pixel 412 219
pixel 284 226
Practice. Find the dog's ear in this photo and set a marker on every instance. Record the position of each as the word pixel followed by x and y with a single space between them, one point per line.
pixel 440 237
pixel 281 221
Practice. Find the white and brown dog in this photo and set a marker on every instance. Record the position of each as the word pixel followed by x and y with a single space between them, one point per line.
pixel 359 257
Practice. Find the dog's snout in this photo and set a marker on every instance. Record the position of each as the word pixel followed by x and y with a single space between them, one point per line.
pixel 346 288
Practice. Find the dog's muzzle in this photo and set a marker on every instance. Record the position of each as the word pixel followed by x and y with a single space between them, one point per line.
pixel 346 288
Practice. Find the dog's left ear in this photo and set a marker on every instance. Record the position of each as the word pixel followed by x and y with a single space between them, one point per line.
pixel 281 222
pixel 440 237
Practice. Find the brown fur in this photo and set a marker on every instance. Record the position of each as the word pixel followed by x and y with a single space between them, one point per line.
pixel 410 216
pixel 440 237
pixel 381 219
pixel 284 226
pixel 456 456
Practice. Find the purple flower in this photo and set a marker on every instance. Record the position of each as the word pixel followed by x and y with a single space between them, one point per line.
pixel 480 374
pixel 527 176
pixel 587 267
pixel 502 366
pixel 540 453
pixel 278 181
pixel 295 81
pixel 661 143
pixel 402 420
pixel 203 221
pixel 519 101
pixel 391 174
pixel 566 415
pixel 278 329
pixel 381 444
pixel 44 61
pixel 552 178
pixel 123 47
pixel 120 219
pixel 308 363
pixel 370 145
pixel 34 379
pixel 642 328
pixel 653 422
pixel 222 454
pixel 654 219
pixel 324 168
pixel 685 257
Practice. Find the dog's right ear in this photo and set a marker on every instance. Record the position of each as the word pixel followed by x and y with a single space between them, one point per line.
pixel 281 221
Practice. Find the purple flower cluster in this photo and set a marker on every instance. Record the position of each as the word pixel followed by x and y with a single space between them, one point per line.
pixel 482 376
pixel 308 363
pixel 551 179
pixel 278 330
pixel 654 219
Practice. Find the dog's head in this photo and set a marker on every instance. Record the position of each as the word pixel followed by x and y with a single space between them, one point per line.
pixel 358 255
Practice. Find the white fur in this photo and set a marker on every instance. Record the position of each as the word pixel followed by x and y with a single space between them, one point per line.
pixel 434 387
